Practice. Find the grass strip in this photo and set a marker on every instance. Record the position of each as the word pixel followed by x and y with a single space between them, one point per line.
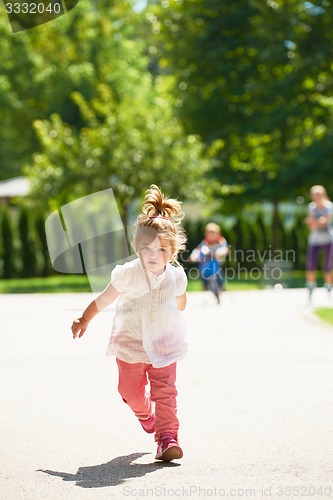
pixel 325 314
pixel 79 283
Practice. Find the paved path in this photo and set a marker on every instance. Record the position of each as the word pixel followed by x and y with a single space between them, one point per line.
pixel 255 404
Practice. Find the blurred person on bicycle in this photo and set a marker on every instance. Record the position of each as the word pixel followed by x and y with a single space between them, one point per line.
pixel 210 255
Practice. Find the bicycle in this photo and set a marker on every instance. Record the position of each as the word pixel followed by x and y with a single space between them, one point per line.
pixel 210 260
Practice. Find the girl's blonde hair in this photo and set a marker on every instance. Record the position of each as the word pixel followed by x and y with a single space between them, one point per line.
pixel 161 216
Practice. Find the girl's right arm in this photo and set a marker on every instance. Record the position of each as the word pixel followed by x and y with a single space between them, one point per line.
pixel 106 298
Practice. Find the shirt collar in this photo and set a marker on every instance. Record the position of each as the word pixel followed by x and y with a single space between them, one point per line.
pixel 156 279
pixel 152 277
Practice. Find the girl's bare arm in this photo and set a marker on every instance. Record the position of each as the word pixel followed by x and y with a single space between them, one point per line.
pixel 181 301
pixel 106 298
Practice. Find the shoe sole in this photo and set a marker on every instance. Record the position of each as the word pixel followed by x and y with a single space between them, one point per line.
pixel 172 453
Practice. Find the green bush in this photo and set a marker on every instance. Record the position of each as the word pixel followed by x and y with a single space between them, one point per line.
pixel 8 249
pixel 45 267
pixel 24 252
pixel 27 245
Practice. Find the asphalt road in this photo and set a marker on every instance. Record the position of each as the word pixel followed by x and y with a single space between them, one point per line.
pixel 255 404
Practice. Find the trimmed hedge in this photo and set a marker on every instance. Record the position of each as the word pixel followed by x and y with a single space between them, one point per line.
pixel 24 252
pixel 23 247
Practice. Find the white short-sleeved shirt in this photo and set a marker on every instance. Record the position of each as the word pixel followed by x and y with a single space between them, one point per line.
pixel 147 326
pixel 322 235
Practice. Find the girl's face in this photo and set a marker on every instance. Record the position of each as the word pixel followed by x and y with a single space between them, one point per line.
pixel 155 254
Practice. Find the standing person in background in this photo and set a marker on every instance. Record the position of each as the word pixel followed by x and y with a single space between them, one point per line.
pixel 319 222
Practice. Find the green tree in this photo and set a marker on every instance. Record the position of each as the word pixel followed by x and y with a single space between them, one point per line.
pixel 126 144
pixel 41 67
pixel 90 115
pixel 247 83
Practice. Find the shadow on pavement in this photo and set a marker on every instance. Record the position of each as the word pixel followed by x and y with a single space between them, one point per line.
pixel 112 473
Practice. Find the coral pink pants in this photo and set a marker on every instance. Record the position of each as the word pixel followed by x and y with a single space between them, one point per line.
pixel 133 388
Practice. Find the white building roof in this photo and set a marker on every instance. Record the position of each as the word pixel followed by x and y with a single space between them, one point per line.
pixel 19 186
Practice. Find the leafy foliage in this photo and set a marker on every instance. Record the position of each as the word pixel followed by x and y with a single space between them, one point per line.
pixel 94 99
pixel 253 79
pixel 126 146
